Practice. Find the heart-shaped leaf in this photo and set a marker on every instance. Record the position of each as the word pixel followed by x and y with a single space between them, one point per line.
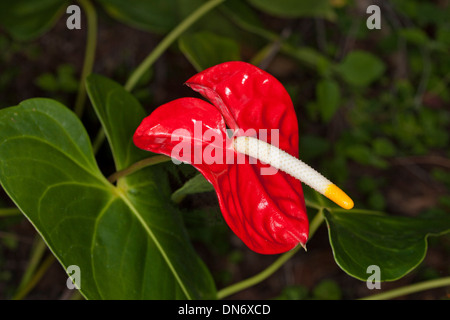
pixel 395 244
pixel 127 241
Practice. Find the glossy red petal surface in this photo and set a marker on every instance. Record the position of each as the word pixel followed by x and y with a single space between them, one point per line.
pixel 183 123
pixel 263 211
pixel 250 99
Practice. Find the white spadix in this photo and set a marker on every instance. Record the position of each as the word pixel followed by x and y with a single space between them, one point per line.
pixel 283 161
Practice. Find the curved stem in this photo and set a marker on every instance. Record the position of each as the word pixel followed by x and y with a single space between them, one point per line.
pixel 91 42
pixel 37 252
pixel 225 292
pixel 99 138
pixel 426 285
pixel 36 277
pixel 168 40
pixel 247 283
pixel 361 211
pixel 138 166
pixel 312 204
pixel 316 223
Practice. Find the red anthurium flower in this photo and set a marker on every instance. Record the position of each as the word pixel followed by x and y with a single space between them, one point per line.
pixel 263 206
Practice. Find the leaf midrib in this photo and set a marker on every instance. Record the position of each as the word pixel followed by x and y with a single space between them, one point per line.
pixel 94 236
pixel 118 194
pixel 74 143
pixel 155 240
pixel 97 175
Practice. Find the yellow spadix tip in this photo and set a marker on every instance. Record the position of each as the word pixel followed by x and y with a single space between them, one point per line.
pixel 339 197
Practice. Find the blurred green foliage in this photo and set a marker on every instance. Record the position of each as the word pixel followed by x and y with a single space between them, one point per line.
pixel 326 289
pixel 63 80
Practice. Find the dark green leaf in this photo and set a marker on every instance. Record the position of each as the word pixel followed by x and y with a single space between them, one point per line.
pixel 359 153
pixel 293 293
pixel 161 16
pixel 313 146
pixel 126 240
pixel 327 290
pixel 245 17
pixel 47 82
pixel 197 184
pixel 383 147
pixel 48 169
pixel 205 49
pixel 26 20
pixel 63 81
pixel 295 8
pixel 360 68
pixel 443 35
pixel 395 244
pixel 120 114
pixel 214 21
pixel 151 15
pixel 414 35
pixel 376 200
pixel 309 56
pixel 328 98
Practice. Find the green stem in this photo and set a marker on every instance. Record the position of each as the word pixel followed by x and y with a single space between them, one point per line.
pixel 168 40
pixel 362 211
pixel 262 55
pixel 36 277
pixel 91 42
pixel 413 288
pixel 7 212
pixel 225 292
pixel 247 283
pixel 37 252
pixel 138 166
pixel 312 204
pixel 27 282
pixel 304 55
pixel 99 138
pixel 316 223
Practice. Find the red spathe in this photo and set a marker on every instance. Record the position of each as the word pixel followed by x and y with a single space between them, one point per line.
pixel 267 212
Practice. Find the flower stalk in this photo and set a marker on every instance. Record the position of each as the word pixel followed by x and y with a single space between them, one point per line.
pixel 89 56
